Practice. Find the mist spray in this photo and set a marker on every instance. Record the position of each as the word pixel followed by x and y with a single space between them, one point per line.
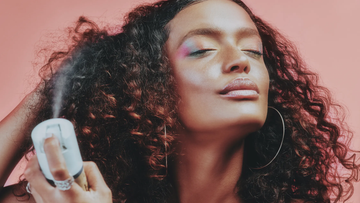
pixel 62 129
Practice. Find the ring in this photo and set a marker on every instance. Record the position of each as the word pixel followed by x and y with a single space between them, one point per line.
pixel 64 184
pixel 28 188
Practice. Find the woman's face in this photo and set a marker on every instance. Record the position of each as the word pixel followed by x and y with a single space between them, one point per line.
pixel 216 54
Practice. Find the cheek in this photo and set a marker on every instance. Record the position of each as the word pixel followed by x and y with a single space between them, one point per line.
pixel 192 79
pixel 196 90
pixel 266 82
pixel 189 80
pixel 202 109
pixel 263 79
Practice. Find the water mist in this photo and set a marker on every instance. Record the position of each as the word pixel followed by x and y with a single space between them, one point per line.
pixel 62 129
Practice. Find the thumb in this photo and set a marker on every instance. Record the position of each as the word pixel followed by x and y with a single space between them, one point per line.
pixel 94 177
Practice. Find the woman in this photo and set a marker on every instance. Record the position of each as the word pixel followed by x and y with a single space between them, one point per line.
pixel 184 105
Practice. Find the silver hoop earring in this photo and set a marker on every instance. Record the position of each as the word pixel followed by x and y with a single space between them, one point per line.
pixel 282 140
pixel 166 161
pixel 28 188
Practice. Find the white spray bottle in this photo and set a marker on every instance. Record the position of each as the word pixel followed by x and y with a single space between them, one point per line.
pixel 64 131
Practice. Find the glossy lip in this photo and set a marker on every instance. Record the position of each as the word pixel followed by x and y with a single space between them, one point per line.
pixel 240 88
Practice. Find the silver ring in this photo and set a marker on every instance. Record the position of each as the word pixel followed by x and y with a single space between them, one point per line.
pixel 64 184
pixel 28 188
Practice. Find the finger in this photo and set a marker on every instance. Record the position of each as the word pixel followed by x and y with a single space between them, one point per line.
pixel 56 161
pixel 36 195
pixel 94 177
pixel 35 177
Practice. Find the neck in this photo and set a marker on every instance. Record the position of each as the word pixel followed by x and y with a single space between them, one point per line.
pixel 208 170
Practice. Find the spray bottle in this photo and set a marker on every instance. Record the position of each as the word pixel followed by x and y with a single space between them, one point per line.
pixel 64 131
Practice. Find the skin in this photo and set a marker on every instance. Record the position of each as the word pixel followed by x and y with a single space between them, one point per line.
pixel 12 129
pixel 214 127
pixel 43 192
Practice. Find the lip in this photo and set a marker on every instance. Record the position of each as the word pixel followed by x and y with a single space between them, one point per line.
pixel 240 88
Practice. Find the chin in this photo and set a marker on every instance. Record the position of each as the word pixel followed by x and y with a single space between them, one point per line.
pixel 244 117
pixel 251 122
pixel 250 118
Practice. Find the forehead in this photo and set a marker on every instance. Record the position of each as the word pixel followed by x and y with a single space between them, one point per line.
pixel 223 15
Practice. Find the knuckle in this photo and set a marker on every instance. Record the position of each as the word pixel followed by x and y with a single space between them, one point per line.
pixel 92 164
pixel 59 172
pixel 28 173
pixel 107 192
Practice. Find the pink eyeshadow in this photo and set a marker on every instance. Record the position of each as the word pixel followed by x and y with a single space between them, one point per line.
pixel 186 48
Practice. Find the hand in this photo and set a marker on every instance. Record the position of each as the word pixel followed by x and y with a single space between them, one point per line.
pixel 43 192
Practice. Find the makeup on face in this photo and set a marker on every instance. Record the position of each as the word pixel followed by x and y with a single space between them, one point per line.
pixel 200 51
pixel 198 46
pixel 189 46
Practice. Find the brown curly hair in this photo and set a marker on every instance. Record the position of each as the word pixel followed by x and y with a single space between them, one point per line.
pixel 120 93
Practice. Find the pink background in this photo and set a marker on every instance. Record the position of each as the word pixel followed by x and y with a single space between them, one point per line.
pixel 326 32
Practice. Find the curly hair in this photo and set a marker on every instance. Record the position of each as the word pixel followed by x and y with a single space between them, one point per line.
pixel 120 94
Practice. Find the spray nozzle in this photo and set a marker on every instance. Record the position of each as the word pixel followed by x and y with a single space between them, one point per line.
pixel 56 130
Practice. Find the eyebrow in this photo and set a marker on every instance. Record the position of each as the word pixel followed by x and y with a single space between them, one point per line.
pixel 215 32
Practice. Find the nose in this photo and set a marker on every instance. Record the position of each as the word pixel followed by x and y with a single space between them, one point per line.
pixel 235 61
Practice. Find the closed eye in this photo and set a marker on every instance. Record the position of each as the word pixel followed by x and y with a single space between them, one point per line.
pixel 200 52
pixel 253 53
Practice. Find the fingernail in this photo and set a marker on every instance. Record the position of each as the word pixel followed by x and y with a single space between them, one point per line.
pixel 48 135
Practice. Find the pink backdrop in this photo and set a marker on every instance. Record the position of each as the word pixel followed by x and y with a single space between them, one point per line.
pixel 326 33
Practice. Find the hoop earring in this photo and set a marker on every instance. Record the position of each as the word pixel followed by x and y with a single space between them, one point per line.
pixel 282 140
pixel 166 160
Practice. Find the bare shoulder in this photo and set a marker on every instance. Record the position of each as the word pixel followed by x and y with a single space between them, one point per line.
pixel 15 194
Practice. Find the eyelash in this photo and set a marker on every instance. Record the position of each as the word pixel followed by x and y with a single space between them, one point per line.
pixel 256 54
pixel 201 52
